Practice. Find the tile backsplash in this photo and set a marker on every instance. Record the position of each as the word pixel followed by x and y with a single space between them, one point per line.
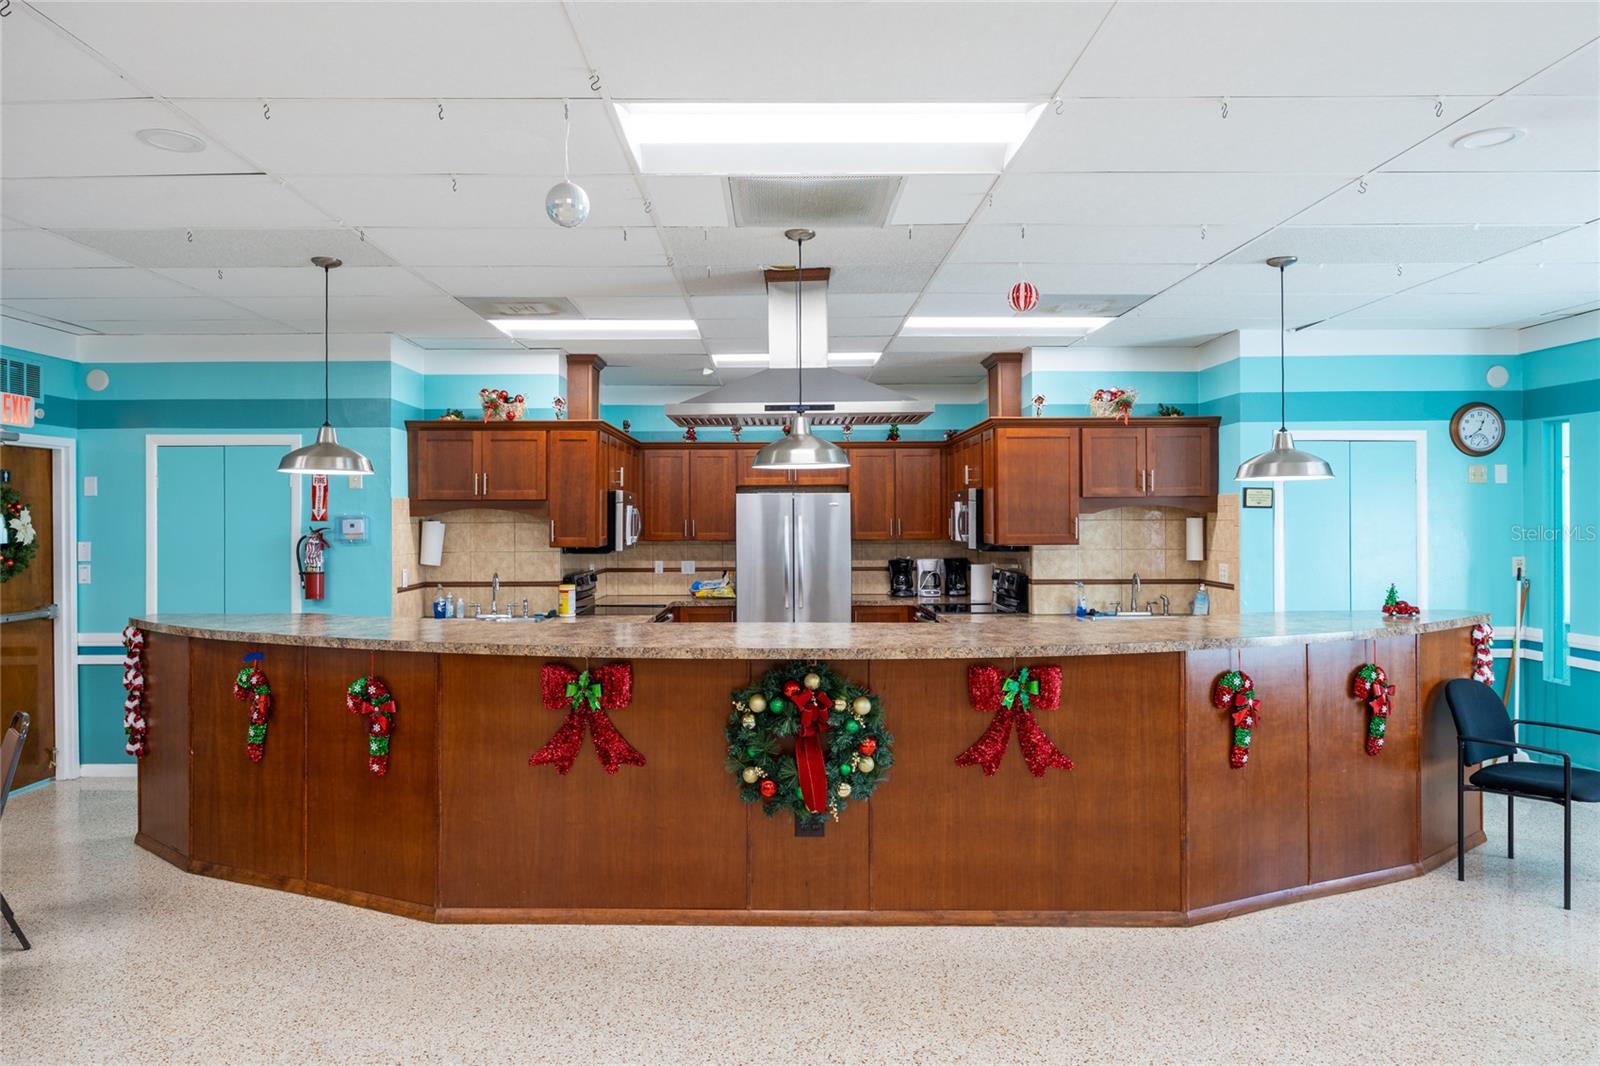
pixel 478 543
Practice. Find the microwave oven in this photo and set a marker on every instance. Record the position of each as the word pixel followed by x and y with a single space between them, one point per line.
pixel 965 522
pixel 624 524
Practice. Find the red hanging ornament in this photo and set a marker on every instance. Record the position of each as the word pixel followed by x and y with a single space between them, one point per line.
pixel 1012 699
pixel 1023 297
pixel 1372 684
pixel 371 697
pixel 586 697
pixel 1236 693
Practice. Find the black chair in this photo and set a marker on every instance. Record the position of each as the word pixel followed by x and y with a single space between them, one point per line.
pixel 1485 731
pixel 10 755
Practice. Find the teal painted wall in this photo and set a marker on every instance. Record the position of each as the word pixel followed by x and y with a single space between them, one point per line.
pixel 1067 392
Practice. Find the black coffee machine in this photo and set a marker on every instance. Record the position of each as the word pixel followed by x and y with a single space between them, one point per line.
pixel 903 577
pixel 957 578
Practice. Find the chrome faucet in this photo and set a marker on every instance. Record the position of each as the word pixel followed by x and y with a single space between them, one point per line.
pixel 494 592
pixel 1166 606
pixel 1134 599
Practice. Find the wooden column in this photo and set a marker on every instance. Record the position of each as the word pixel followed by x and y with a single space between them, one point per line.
pixel 1005 384
pixel 583 386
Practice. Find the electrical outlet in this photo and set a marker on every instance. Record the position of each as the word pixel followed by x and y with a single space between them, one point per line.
pixel 1519 565
pixel 661 567
pixel 686 566
pixel 83 573
pixel 1222 571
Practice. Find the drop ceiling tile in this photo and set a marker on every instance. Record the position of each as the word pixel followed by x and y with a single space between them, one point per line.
pixel 1462 199
pixel 362 314
pixel 1563 133
pixel 1502 278
pixel 1154 332
pixel 86 282
pixel 1467 310
pixel 154 202
pixel 934 199
pixel 1259 135
pixel 754 248
pixel 1157 199
pixel 351 50
pixel 38 62
pixel 546 245
pixel 467 201
pixel 18 315
pixel 1371 278
pixel 1229 308
pixel 742 329
pixel 373 137
pixel 632 307
pixel 689 200
pixel 1326 49
pixel 1577 75
pixel 750 306
pixel 302 281
pixel 213 248
pixel 998 278
pixel 851 305
pixel 1581 244
pixel 963 303
pixel 862 327
pixel 501 343
pixel 34 248
pixel 625 348
pixel 96 137
pixel 965 51
pixel 244 327
pixel 1389 244
pixel 575 282
pixel 1014 243
pixel 133 309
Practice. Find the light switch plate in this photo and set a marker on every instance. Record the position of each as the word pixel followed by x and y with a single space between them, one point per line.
pixel 1519 565
pixel 84 548
pixel 91 485
pixel 1500 473
pixel 1222 571
pixel 1477 474
pixel 686 566
pixel 661 567
pixel 83 573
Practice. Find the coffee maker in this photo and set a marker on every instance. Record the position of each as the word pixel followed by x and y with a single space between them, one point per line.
pixel 930 578
pixel 902 578
pixel 957 577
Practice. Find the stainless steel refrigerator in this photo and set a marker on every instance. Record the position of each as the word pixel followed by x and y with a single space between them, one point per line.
pixel 793 555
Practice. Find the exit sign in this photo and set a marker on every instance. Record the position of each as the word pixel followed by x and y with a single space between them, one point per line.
pixel 16 410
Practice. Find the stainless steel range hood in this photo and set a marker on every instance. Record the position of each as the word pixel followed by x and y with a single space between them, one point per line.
pixel 767 398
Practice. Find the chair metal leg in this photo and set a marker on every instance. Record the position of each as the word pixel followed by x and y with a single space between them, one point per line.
pixel 1461 830
pixel 1511 816
pixel 1566 856
pixel 11 920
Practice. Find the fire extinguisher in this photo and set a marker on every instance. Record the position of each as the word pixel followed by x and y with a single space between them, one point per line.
pixel 308 553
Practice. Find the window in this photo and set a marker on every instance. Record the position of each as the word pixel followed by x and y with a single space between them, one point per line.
pixel 1558 534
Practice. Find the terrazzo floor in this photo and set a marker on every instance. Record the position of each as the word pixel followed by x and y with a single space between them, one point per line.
pixel 134 961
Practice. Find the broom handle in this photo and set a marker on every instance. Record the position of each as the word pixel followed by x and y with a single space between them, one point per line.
pixel 1516 648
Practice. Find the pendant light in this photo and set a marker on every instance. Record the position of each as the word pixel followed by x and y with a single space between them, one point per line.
pixel 327 455
pixel 566 204
pixel 799 450
pixel 1284 462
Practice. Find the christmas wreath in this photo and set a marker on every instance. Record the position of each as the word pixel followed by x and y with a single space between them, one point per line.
pixel 1236 693
pixel 250 687
pixel 1372 684
pixel 371 697
pixel 20 544
pixel 806 740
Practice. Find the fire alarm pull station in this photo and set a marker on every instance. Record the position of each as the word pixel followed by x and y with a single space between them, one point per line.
pixel 353 528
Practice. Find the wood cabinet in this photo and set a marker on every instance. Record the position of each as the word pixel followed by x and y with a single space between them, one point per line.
pixel 749 475
pixel 888 612
pixel 1133 462
pixel 486 463
pixel 688 493
pixel 1033 497
pixel 896 493
pixel 577 489
pixel 697 612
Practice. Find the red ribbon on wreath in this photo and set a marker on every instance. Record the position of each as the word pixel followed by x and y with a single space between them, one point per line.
pixel 1012 700
pixel 1236 693
pixel 586 697
pixel 1372 684
pixel 809 762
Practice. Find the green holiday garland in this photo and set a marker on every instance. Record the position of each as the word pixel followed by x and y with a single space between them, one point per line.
pixel 805 740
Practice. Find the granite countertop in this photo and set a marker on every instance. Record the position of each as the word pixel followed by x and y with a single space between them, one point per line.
pixel 957 637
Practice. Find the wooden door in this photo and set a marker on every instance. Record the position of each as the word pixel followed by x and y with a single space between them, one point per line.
pixel 917 500
pixel 576 489
pixel 665 504
pixel 967 467
pixel 28 647
pixel 713 476
pixel 1035 492
pixel 444 464
pixel 1179 460
pixel 1113 461
pixel 512 464
pixel 872 493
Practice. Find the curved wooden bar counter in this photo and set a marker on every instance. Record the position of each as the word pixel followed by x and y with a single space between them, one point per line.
pixel 1152 826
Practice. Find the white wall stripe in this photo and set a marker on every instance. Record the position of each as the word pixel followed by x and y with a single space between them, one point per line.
pixel 109 769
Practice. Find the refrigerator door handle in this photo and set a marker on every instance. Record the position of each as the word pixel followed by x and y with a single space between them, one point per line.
pixel 788 561
pixel 799 564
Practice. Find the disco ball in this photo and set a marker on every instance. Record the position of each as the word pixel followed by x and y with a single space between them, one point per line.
pixel 567 204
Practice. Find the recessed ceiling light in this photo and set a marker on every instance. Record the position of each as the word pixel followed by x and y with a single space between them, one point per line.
pixel 598 328
pixel 834 139
pixel 171 140
pixel 984 326
pixel 1493 137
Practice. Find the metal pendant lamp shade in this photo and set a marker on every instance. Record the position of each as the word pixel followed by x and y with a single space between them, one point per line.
pixel 799 449
pixel 327 455
pixel 1283 462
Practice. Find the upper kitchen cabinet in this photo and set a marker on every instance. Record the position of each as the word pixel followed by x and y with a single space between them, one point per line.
pixel 1150 462
pixel 463 462
pixel 577 488
pixel 1032 496
pixel 688 493
pixel 896 493
pixel 749 475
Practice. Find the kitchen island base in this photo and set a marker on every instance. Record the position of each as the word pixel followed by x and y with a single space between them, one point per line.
pixel 1152 826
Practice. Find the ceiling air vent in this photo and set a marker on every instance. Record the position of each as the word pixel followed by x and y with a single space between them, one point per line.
pixel 522 306
pixel 816 202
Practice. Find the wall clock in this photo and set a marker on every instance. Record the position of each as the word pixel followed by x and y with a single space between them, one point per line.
pixel 1477 429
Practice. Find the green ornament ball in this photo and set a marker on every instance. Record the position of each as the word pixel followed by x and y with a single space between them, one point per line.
pixel 845 768
pixel 777 703
pixel 752 751
pixel 852 726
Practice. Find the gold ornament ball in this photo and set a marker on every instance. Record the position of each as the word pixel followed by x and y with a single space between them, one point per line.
pixel 843 790
pixel 758 703
pixel 813 682
pixel 862 705
pixel 748 721
pixel 865 764
pixel 751 775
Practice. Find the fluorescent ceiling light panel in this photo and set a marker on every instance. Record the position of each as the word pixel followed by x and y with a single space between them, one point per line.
pixel 987 326
pixel 835 139
pixel 762 359
pixel 598 328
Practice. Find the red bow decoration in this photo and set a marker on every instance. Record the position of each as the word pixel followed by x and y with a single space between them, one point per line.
pixel 1012 699
pixel 586 696
pixel 809 762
